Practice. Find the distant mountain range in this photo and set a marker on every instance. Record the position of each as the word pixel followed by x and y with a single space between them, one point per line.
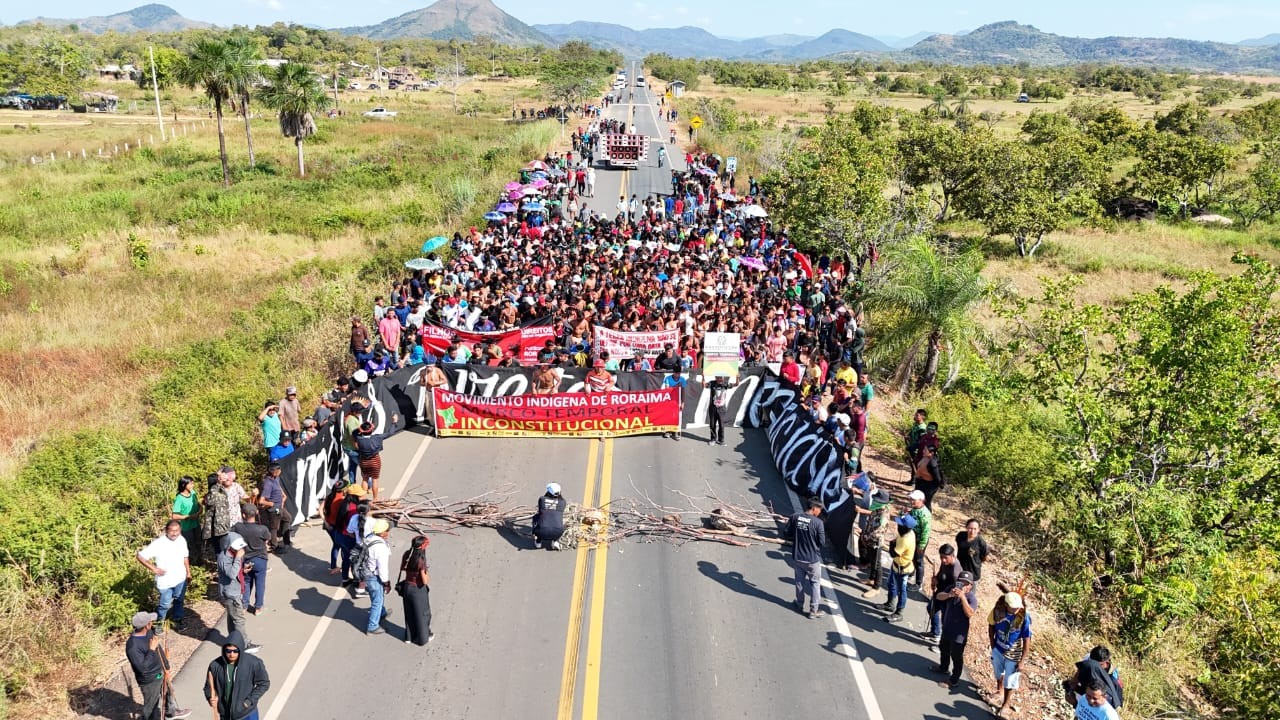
pixel 462 19
pixel 149 18
pixel 1272 39
pixel 698 43
pixel 998 43
pixel 1004 43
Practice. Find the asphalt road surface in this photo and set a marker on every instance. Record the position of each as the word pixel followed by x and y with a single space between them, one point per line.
pixel 635 630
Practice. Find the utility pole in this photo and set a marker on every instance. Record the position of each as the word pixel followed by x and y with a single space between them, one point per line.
pixel 155 87
pixel 337 68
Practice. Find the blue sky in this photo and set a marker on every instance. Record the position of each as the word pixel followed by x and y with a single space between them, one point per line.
pixel 1203 20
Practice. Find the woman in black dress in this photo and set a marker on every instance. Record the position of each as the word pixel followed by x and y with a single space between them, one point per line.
pixel 417 592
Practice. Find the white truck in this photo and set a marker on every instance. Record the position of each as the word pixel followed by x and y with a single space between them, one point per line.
pixel 380 112
pixel 624 150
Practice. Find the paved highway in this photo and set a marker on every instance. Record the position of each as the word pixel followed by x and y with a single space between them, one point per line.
pixel 635 630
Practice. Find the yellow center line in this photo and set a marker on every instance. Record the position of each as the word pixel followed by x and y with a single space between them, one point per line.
pixel 572 643
pixel 595 629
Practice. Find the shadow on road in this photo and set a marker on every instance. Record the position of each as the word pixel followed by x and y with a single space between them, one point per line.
pixel 736 582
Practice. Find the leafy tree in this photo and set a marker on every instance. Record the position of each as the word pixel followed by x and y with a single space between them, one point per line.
pixel 1030 190
pixel 1256 195
pixel 1173 404
pixel 927 297
pixel 296 94
pixel 1183 119
pixel 932 153
pixel 248 57
pixel 214 65
pixel 1047 126
pixel 829 193
pixel 168 63
pixel 1173 166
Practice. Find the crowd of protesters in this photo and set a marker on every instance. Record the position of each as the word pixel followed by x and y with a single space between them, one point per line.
pixel 699 259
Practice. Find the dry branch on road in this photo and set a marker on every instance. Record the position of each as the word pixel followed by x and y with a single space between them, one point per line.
pixel 705 519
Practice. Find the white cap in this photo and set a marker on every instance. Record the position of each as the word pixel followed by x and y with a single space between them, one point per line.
pixel 916 495
pixel 842 418
pixel 1013 600
pixel 553 488
pixel 360 377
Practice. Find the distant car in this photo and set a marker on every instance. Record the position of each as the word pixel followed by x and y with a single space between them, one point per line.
pixel 380 112
pixel 639 81
pixel 353 85
pixel 372 86
pixel 1022 97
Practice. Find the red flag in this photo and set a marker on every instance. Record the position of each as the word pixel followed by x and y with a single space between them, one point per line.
pixel 803 261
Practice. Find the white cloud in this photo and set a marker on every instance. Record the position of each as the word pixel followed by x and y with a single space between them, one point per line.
pixel 682 11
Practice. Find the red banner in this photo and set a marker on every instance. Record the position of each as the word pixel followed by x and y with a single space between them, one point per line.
pixel 526 341
pixel 604 414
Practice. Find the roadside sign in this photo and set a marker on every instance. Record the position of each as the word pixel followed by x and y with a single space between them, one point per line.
pixel 695 122
pixel 731 164
pixel 668 94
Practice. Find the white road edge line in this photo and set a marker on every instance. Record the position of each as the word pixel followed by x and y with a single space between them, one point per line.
pixel 860 678
pixel 313 642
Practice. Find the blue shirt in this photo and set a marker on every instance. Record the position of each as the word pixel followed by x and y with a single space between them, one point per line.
pixel 280 451
pixel 417 355
pixel 1007 636
pixel 271 431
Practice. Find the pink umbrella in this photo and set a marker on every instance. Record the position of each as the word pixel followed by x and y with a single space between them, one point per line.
pixel 752 262
pixel 515 195
pixel 513 185
pixel 536 165
pixel 540 183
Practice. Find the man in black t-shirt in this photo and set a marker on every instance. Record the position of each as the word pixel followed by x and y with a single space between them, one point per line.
pixel 972 549
pixel 257 537
pixel 718 413
pixel 548 521
pixel 151 670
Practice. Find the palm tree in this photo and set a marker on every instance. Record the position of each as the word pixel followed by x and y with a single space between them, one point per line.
pixel 927 298
pixel 296 93
pixel 248 56
pixel 939 107
pixel 212 65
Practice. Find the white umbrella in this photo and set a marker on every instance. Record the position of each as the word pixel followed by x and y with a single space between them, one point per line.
pixel 754 211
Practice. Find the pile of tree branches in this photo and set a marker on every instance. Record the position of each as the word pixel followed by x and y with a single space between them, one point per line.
pixel 705 519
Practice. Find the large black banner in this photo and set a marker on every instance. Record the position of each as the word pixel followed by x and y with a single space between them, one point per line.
pixel 809 461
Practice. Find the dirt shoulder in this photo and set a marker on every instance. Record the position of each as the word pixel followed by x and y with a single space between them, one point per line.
pixel 1054 648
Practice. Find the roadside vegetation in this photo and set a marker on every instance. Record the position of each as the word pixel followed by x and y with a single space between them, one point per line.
pixel 1108 388
pixel 150 301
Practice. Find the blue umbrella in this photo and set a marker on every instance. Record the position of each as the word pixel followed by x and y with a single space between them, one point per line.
pixel 506 207
pixel 435 243
pixel 533 207
pixel 494 215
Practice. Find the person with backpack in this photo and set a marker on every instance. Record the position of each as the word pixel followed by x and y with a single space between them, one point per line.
pixel 356 530
pixel 548 521
pixel 373 566
pixel 348 508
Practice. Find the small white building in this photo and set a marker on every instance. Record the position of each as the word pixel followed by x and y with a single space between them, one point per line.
pixel 676 88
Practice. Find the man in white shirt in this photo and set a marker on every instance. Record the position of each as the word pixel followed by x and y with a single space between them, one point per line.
pixel 167 557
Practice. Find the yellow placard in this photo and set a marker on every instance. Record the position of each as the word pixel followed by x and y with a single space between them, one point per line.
pixel 695 122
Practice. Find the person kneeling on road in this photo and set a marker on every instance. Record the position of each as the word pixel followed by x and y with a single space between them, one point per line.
pixel 548 522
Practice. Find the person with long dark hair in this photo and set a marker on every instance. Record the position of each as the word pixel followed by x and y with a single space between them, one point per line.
pixel 186 510
pixel 416 590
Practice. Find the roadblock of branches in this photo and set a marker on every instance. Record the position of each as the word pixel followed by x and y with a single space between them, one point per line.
pixel 681 519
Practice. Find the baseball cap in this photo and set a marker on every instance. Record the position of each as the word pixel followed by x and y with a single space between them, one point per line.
pixel 291 390
pixel 907 521
pixel 238 543
pixel 380 526
pixel 965 578
pixel 553 488
pixel 1013 600
pixel 140 619
pixel 916 495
